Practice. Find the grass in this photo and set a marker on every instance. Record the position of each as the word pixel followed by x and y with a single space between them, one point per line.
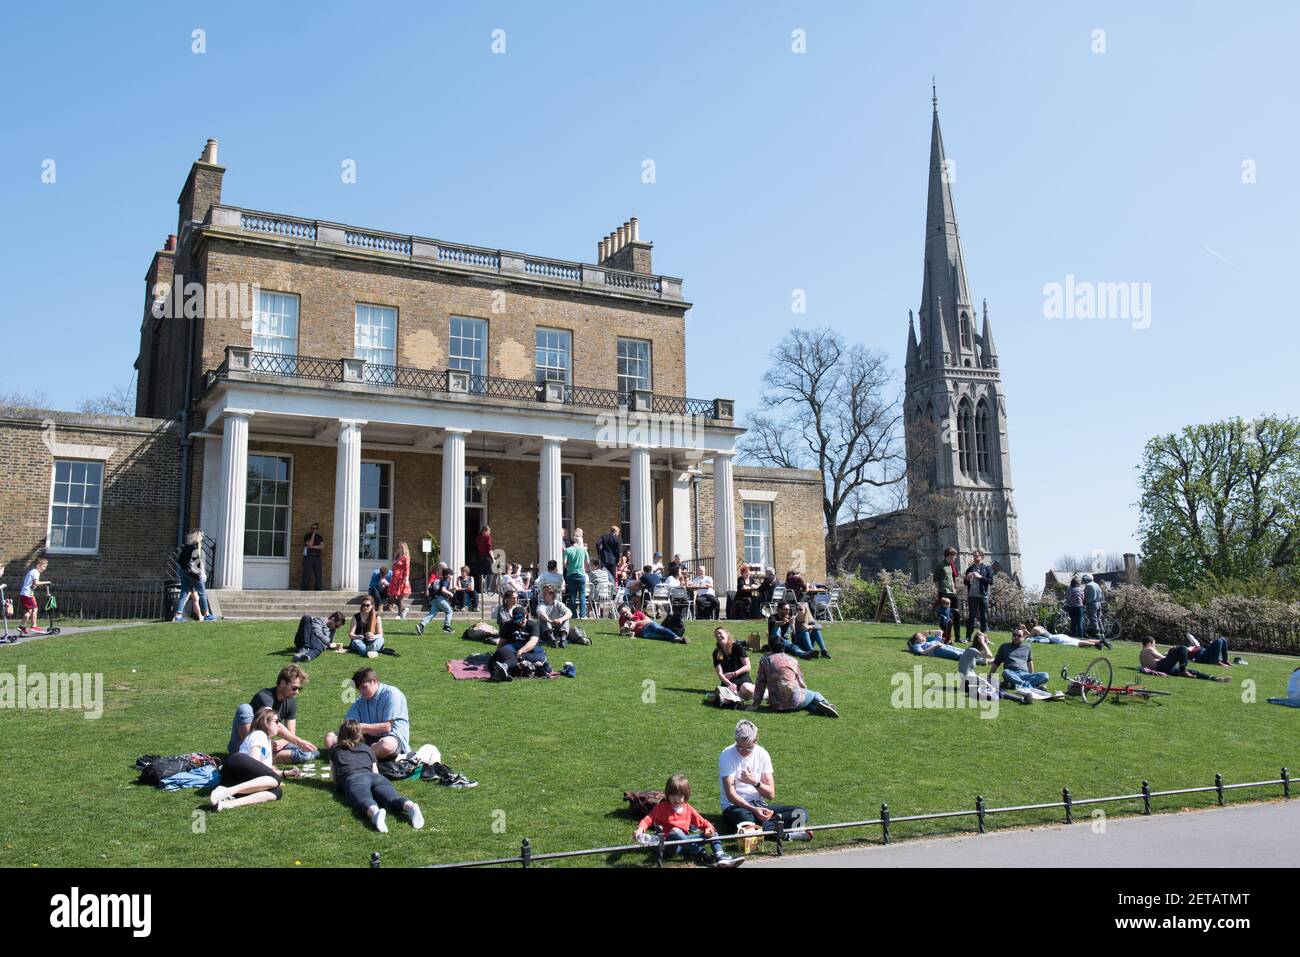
pixel 553 757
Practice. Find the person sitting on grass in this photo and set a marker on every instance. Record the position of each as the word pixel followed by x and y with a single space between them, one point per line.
pixel 554 618
pixel 517 654
pixel 806 632
pixel 283 700
pixel 931 643
pixel 747 783
pixel 441 590
pixel 1292 699
pixel 780 621
pixel 315 636
pixel 780 677
pixel 638 625
pixel 1040 635
pixel 1215 653
pixel 380 709
pixel 1173 664
pixel 1016 659
pixel 248 775
pixel 677 820
pixel 366 636
pixel 357 777
pixel 731 662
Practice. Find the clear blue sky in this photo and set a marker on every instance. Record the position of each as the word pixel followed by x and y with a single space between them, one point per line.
pixel 775 172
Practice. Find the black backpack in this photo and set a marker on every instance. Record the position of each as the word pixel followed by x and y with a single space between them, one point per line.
pixel 673 622
pixel 154 769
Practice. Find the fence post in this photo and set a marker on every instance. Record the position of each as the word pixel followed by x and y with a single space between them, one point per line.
pixel 1069 805
pixel 374 859
pixel 1218 787
pixel 884 821
pixel 1146 798
pixel 979 811
pixel 1286 783
pixel 525 854
pixel 780 834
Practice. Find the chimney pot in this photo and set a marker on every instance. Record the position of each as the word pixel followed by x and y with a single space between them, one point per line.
pixel 636 230
pixel 622 236
pixel 209 153
pixel 170 244
pixel 600 252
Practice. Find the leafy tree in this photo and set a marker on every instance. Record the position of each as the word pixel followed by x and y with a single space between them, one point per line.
pixel 1221 502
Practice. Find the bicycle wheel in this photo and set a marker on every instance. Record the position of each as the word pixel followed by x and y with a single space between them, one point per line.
pixel 1112 629
pixel 1061 623
pixel 1097 677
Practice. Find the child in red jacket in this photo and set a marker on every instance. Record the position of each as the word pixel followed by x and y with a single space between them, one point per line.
pixel 675 817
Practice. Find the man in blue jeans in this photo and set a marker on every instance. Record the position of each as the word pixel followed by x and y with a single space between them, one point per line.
pixel 283 698
pixel 576 563
pixel 441 591
pixel 1016 659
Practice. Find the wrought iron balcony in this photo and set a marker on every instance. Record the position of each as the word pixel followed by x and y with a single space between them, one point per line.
pixel 241 363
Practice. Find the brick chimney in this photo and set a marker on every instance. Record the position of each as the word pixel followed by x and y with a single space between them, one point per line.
pixel 623 249
pixel 1132 574
pixel 202 188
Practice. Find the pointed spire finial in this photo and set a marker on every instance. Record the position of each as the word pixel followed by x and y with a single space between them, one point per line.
pixel 934 94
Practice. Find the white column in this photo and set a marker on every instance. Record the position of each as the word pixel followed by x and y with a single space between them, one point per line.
pixel 680 543
pixel 724 522
pixel 229 572
pixel 452 535
pixel 345 572
pixel 641 508
pixel 550 536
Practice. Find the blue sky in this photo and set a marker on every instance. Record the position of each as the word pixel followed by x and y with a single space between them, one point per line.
pixel 774 172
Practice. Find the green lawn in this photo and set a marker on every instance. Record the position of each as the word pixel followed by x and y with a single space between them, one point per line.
pixel 553 757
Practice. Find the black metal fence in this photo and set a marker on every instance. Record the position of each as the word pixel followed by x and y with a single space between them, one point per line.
pixel 980 812
pixel 107 599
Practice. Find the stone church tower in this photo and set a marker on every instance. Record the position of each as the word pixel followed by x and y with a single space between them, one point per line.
pixel 955 410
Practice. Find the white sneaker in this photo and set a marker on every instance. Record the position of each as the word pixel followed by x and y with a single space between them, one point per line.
pixel 415 817
pixel 218 795
pixel 380 824
pixel 372 654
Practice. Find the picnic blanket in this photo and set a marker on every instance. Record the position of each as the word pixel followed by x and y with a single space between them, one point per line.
pixel 475 668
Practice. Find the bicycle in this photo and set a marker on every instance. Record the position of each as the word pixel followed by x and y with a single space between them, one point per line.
pixel 1093 684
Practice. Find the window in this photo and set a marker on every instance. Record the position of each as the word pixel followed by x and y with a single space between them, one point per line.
pixel 625 511
pixel 982 442
pixel 633 365
pixel 376 339
pixel 965 332
pixel 567 516
pixel 275 324
pixel 266 516
pixel 758 534
pixel 965 438
pixel 376 511
pixel 473 491
pixel 74 506
pixel 555 356
pixel 467 349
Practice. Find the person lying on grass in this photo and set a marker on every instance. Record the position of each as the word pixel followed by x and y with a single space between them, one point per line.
pixel 780 677
pixel 283 700
pixel 636 624
pixel 315 636
pixel 1174 664
pixel 1016 659
pixel 677 820
pixel 381 711
pixel 248 776
pixel 357 777
pixel 1040 635
pixel 1215 653
pixel 731 662
pixel 748 785
pixel 1292 699
pixel 931 643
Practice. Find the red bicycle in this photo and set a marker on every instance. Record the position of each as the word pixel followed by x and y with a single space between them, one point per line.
pixel 1093 684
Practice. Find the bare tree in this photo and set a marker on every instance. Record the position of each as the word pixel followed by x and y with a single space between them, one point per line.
pixel 1096 561
pixel 13 401
pixel 827 406
pixel 116 401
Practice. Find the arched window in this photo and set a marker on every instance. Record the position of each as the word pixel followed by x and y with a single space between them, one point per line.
pixel 965 438
pixel 982 437
pixel 965 332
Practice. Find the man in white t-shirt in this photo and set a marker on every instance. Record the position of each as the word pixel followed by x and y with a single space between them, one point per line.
pixel 706 599
pixel 747 784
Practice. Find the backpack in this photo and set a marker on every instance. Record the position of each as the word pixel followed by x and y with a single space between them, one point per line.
pixel 641 803
pixel 154 768
pixel 401 768
pixel 673 622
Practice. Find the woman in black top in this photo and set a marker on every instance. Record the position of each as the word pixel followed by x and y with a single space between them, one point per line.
pixel 356 775
pixel 731 662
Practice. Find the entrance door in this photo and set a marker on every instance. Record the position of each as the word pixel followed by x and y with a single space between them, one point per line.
pixel 473 525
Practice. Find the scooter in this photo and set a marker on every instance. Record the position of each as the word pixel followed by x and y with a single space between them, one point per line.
pixel 6 609
pixel 51 606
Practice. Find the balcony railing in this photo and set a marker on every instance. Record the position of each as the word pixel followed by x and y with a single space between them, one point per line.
pixel 241 361
pixel 473 259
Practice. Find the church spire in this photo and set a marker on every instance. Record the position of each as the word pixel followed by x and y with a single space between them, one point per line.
pixel 945 266
pixel 988 352
pixel 913 360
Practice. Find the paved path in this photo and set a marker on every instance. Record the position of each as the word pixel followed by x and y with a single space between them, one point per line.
pixel 79 630
pixel 1246 835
